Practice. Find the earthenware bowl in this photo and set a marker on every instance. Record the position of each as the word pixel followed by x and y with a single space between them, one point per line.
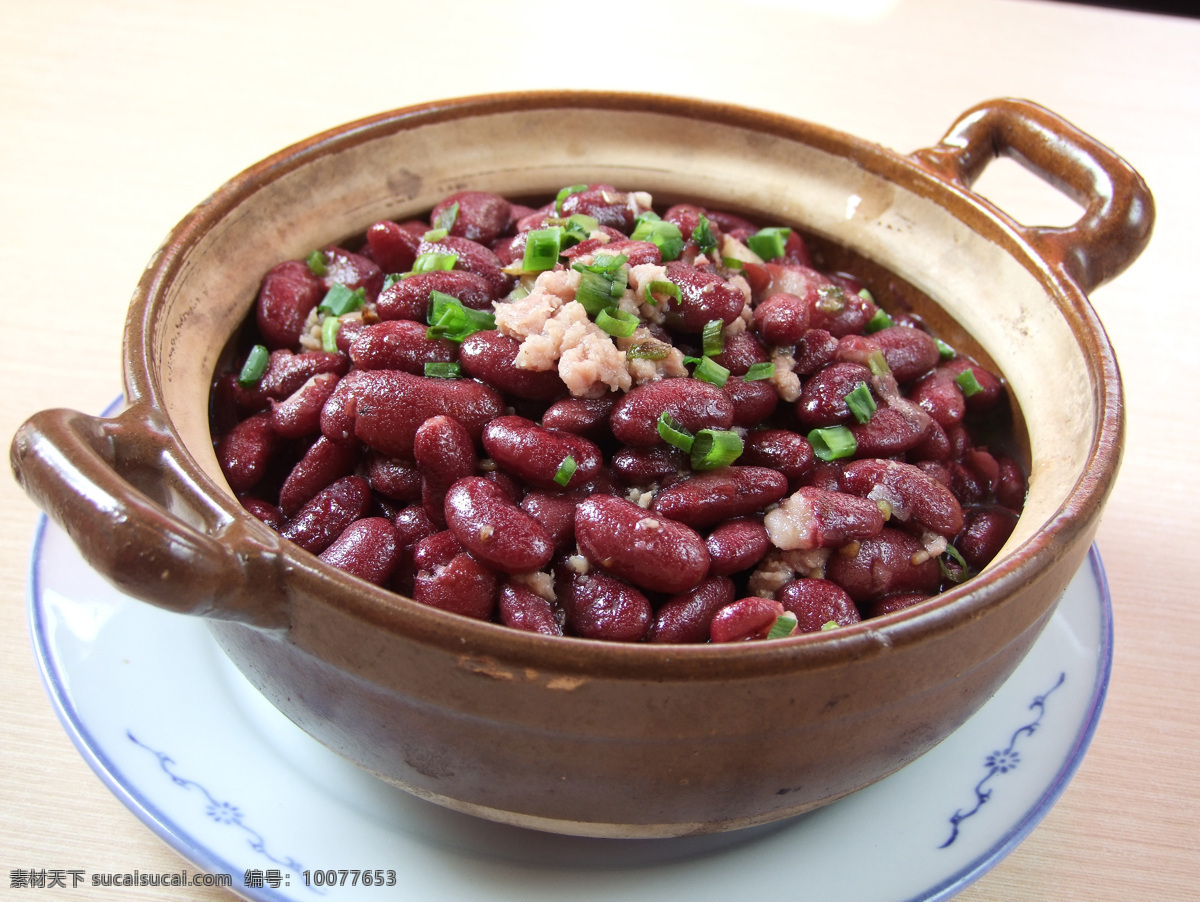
pixel 571 735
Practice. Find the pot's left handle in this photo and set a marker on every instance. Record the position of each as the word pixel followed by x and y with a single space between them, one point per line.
pixel 81 470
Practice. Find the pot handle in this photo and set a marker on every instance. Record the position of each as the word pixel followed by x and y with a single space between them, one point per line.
pixel 95 477
pixel 1119 209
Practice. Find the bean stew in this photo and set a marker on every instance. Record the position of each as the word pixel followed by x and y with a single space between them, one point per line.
pixel 590 419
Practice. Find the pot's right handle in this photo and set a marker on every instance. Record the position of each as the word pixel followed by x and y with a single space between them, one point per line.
pixel 84 471
pixel 1119 209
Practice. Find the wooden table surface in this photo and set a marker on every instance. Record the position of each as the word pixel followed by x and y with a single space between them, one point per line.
pixel 117 118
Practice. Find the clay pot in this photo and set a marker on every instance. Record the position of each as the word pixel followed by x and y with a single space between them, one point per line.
pixel 596 738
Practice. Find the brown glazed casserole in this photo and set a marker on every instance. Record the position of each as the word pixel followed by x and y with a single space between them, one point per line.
pixel 571 735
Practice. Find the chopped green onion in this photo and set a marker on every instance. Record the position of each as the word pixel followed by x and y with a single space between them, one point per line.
pixel 646 216
pixel 441 370
pixel 831 299
pixel 832 443
pixel 866 295
pixel 316 263
pixel 958 573
pixel 564 194
pixel 968 383
pixel 759 371
pixel 879 321
pixel 542 247
pixel 662 234
pixel 617 323
pixel 708 370
pixel 449 319
pixel 602 282
pixel 944 350
pixel 673 433
pixel 784 626
pixel 860 402
pixel 603 265
pixel 713 337
pixel 733 263
pixel 391 279
pixel 433 262
pixel 340 300
pixel 565 471
pixel 714 448
pixel 435 235
pixel 329 333
pixel 878 364
pixel 659 287
pixel 769 243
pixel 445 220
pixel 581 222
pixel 254 367
pixel 829 625
pixel 651 349
pixel 703 236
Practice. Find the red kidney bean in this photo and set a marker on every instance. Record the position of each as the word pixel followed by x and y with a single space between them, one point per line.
pixel 460 586
pixel 816 602
pixel 745 619
pixel 322 464
pixel 687 617
pixel 535 454
pixel 265 511
pixel 693 404
pixel 736 545
pixel 581 416
pixel 722 494
pixel 494 530
pixel 480 216
pixel 909 352
pixel 780 449
pixel 824 475
pixel 412 525
pixel 445 453
pixel 967 484
pixel 803 282
pixel 300 414
pixel 246 451
pixel 883 565
pixel 649 550
pixel 742 351
pixel 367 548
pixel 392 247
pixel 600 607
pixel 795 251
pixel 1011 486
pixel 399 345
pixel 940 397
pixel 383 408
pixel 555 511
pixel 645 466
pixel 474 258
pixel 704 296
pixel 395 479
pixel 729 222
pixel 889 604
pixel 852 316
pixel 935 446
pixel 289 292
pixel 985 531
pixel 329 512
pixel 505 483
pixel 908 491
pixel 896 427
pixel 823 398
pixel 817 518
pixel 753 402
pixel 523 609
pixel 782 319
pixel 687 217
pixel 408 299
pixel 436 550
pixel 491 356
pixel 342 267
pixel 816 349
pixel 510 250
pixel 604 203
pixel 991 389
pixel 636 252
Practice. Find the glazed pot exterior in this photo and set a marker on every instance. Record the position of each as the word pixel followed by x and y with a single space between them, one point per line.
pixel 572 735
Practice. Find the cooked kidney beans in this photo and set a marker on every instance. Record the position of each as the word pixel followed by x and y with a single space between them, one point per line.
pixel 579 419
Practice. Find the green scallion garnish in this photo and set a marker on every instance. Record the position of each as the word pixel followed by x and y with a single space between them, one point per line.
pixel 712 337
pixel 391 279
pixel 879 321
pixel 650 349
pixel 329 333
pixel 956 569
pixel 316 263
pixel 708 370
pixel 759 371
pixel 662 234
pixel 944 350
pixel 582 225
pixel 703 236
pixel 435 235
pixel 445 219
pixel 832 443
pixel 860 402
pixel 603 281
pixel 542 247
pixel 769 243
pixel 659 287
pixel 434 262
pixel 564 194
pixel 340 300
pixel 616 322
pixel 784 626
pixel 673 433
pixel 866 295
pixel 442 370
pixel 449 319
pixel 733 263
pixel 829 625
pixel 878 364
pixel 565 471
pixel 714 448
pixel 254 367
pixel 968 383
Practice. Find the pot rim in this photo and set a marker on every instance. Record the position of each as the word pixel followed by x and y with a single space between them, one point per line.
pixel 304 573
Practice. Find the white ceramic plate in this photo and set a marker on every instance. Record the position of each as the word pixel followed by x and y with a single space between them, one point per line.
pixel 192 749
